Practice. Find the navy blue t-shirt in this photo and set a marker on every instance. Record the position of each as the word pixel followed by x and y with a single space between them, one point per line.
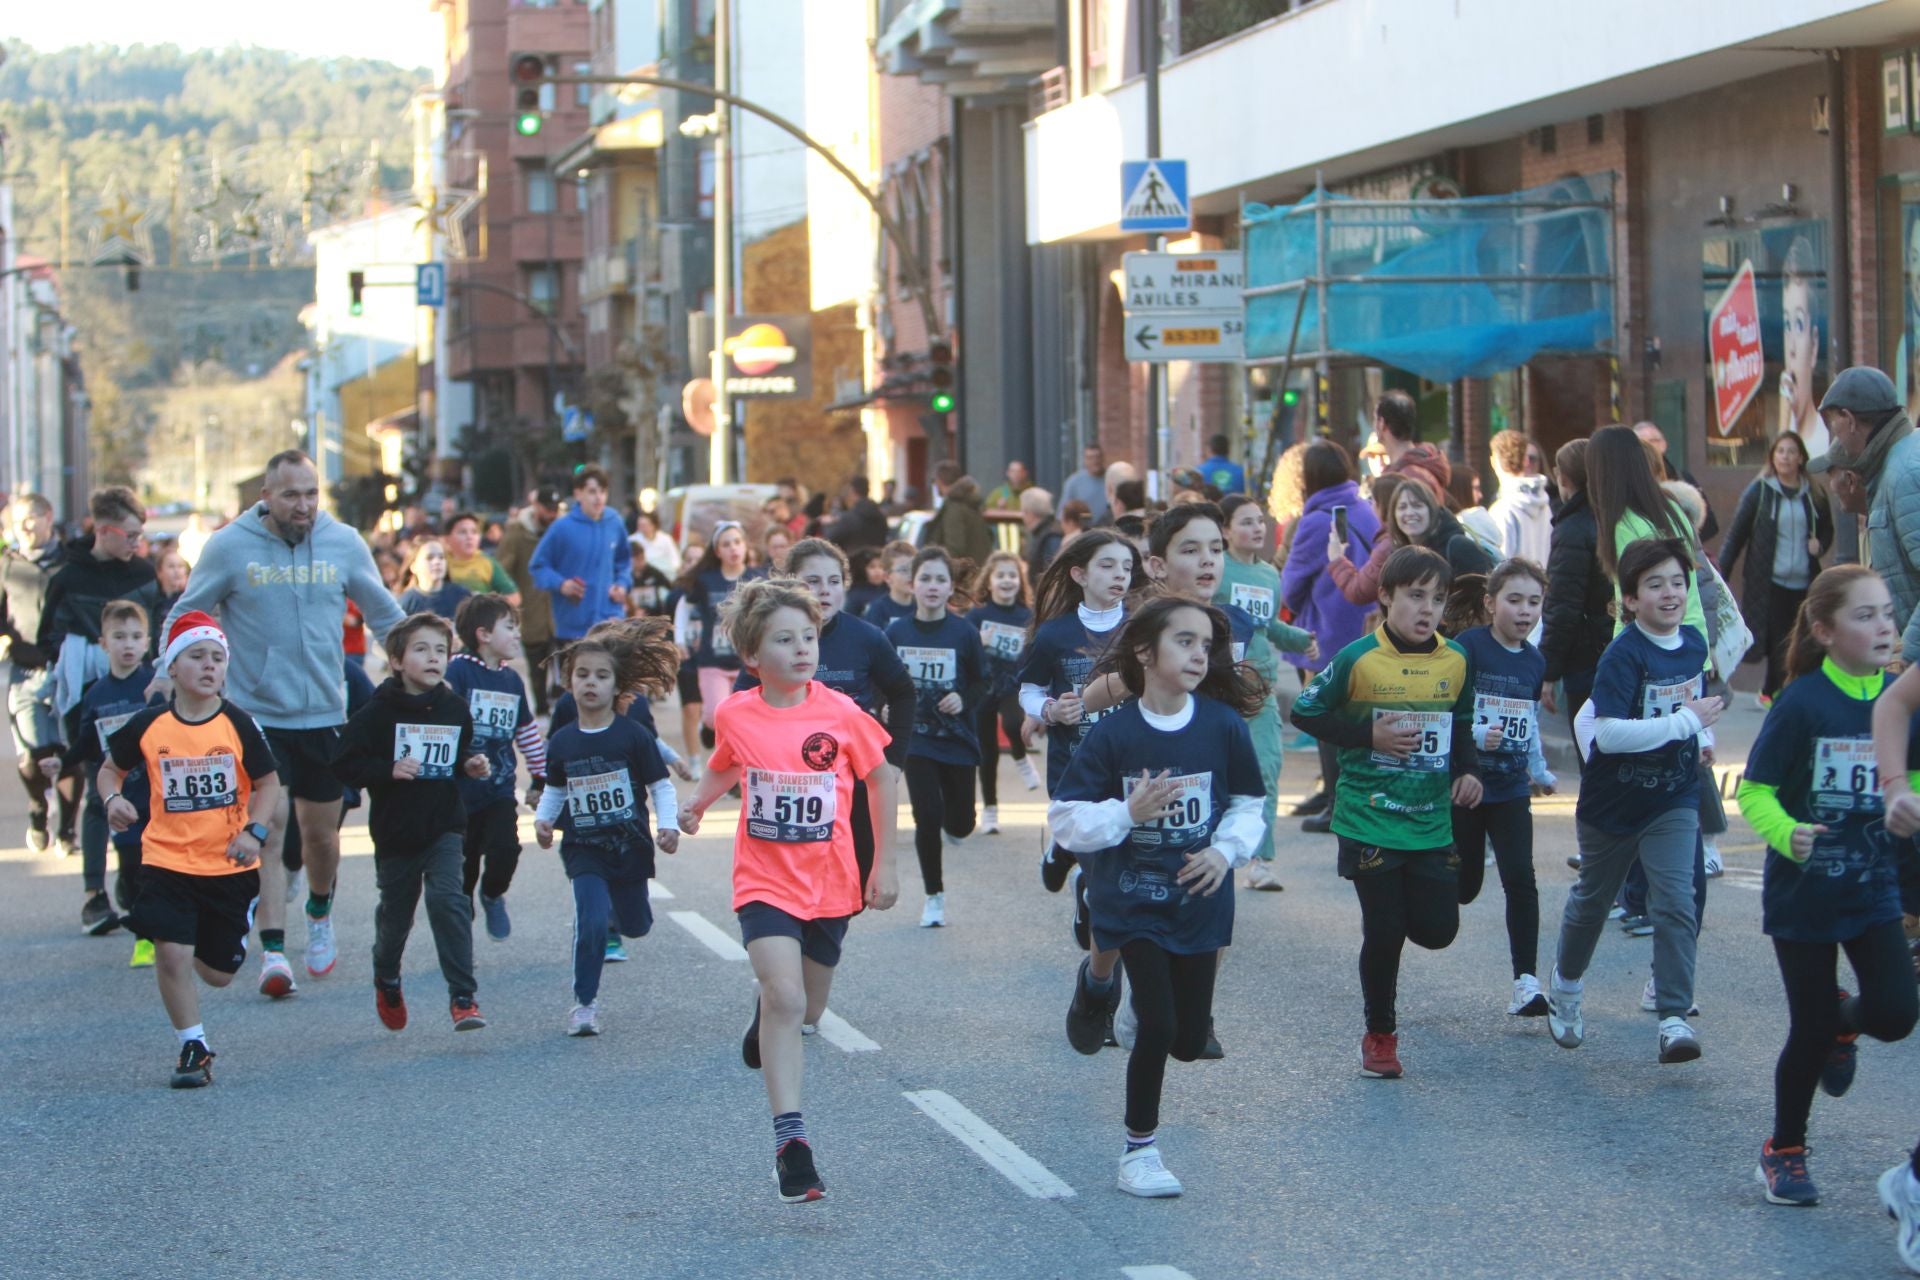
pixel 1060 659
pixel 710 590
pixel 1131 887
pixel 883 612
pixel 108 703
pixel 1638 680
pixel 1815 748
pixel 859 596
pixel 605 776
pixel 1506 692
pixel 942 657
pixel 497 699
pixel 855 659
pixel 1003 634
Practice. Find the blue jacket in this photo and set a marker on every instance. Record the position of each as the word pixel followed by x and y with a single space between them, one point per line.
pixel 1309 590
pixel 594 551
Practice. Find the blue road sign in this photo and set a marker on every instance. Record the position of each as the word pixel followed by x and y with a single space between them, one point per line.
pixel 1153 196
pixel 430 284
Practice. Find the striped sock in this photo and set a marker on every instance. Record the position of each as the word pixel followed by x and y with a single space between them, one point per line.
pixel 788 1127
pixel 1134 1144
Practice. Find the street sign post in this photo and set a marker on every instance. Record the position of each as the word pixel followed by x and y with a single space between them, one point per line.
pixel 1153 196
pixel 1185 306
pixel 1733 342
pixel 430 284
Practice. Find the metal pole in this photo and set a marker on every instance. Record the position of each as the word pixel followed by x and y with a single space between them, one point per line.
pixel 720 444
pixel 1322 368
pixel 1157 398
pixel 553 305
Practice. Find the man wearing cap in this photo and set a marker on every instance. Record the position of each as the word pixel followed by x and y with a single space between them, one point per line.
pixel 1874 459
pixel 515 554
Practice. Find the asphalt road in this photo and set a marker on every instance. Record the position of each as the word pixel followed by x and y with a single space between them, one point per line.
pixel 331 1147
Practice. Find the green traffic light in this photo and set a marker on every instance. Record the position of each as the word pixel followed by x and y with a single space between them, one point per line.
pixel 527 123
pixel 941 402
pixel 354 308
pixel 1290 396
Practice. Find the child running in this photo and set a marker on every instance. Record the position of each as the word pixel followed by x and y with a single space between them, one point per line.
pixel 1507 674
pixel 795 747
pixel 405 748
pixel 215 790
pixel 596 768
pixel 1160 804
pixel 942 654
pixel 1399 706
pixel 489 628
pixel 897 603
pixel 1640 794
pixel 704 588
pixel 1002 617
pixel 1811 792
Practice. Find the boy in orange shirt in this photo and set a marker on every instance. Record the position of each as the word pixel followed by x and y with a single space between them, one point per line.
pixel 795 747
pixel 213 790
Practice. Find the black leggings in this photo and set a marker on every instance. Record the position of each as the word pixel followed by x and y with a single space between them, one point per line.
pixel 1398 907
pixel 862 833
pixel 1509 824
pixel 1010 716
pixel 1885 1009
pixel 1173 998
pixel 942 798
pixel 1783 605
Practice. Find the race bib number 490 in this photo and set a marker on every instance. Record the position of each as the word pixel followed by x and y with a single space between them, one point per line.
pixel 600 800
pixel 1257 601
pixel 791 808
pixel 1436 739
pixel 432 745
pixel 190 784
pixel 495 712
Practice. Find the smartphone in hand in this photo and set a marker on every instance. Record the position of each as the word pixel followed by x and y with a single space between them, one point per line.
pixel 1340 522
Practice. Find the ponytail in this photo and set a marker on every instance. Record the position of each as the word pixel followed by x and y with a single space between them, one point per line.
pixel 1825 598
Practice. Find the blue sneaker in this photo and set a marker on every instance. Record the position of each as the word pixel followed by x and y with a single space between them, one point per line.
pixel 616 949
pixel 1836 1073
pixel 1784 1174
pixel 498 926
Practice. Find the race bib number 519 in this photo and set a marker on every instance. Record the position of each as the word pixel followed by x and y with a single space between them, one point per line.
pixel 791 808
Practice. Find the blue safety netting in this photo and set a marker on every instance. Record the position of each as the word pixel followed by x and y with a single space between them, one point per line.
pixel 1446 288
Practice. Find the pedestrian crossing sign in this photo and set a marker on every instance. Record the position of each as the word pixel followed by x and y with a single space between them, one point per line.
pixel 1153 195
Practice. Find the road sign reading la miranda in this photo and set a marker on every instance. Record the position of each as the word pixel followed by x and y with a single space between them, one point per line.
pixel 1153 196
pixel 1185 306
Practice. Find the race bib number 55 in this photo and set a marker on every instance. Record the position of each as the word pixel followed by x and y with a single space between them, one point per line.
pixel 191 784
pixel 1436 739
pixel 791 808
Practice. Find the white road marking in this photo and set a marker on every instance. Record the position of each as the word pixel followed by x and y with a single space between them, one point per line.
pixel 1159 1271
pixel 987 1142
pixel 843 1035
pixel 709 935
pixel 657 892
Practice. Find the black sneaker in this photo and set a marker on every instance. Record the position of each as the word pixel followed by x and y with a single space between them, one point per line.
pixel 1319 824
pixel 793 1169
pixel 1213 1052
pixel 750 1042
pixel 194 1071
pixel 1082 914
pixel 1318 802
pixel 1055 864
pixel 1091 1013
pixel 97 916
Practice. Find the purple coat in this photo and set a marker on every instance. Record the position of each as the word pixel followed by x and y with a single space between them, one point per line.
pixel 1305 584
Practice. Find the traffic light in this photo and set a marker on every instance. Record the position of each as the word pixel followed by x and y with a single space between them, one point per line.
pixel 529 69
pixel 940 377
pixel 1290 397
pixel 356 283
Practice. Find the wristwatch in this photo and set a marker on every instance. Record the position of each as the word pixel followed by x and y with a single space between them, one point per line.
pixel 258 830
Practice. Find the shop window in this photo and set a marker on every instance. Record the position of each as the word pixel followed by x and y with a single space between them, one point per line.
pixel 1899 224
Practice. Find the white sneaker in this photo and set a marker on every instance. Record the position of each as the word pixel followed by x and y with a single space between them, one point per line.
pixel 1616 911
pixel 585 1021
pixel 1260 876
pixel 952 841
pixel 1677 1041
pixel 934 914
pixel 1900 1197
pixel 1564 1022
pixel 1125 1022
pixel 809 1028
pixel 1529 1001
pixel 296 885
pixel 1028 774
pixel 1650 1003
pixel 990 820
pixel 276 975
pixel 1142 1174
pixel 321 953
pixel 1715 868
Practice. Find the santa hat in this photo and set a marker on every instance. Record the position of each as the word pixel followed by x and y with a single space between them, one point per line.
pixel 190 629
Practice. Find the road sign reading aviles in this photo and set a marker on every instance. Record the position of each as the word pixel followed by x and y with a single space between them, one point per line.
pixel 1185 306
pixel 1733 343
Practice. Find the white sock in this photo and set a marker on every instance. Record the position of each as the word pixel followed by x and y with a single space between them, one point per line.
pixel 1561 984
pixel 195 1032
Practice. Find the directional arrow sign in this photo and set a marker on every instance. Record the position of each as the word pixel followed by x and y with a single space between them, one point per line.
pixel 1145 338
pixel 1195 335
pixel 1185 306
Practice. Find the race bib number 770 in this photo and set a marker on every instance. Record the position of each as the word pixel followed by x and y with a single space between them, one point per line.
pixel 432 745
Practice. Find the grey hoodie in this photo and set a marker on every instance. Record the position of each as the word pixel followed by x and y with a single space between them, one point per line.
pixel 282 607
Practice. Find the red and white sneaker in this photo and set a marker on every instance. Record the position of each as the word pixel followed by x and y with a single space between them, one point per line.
pixel 390 1005
pixel 276 975
pixel 1380 1055
pixel 466 1015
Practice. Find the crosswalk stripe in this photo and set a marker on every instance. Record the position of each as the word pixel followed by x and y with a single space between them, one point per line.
pixel 843 1035
pixel 987 1142
pixel 708 934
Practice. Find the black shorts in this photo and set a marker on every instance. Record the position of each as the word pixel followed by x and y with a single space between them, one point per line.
pixel 304 758
pixel 689 682
pixel 211 914
pixel 819 940
pixel 1358 858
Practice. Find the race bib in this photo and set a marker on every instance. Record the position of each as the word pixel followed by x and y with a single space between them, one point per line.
pixel 600 800
pixel 1257 601
pixel 1665 699
pixel 1003 640
pixel 432 745
pixel 108 726
pixel 1513 716
pixel 1186 820
pixel 190 784
pixel 722 642
pixel 791 808
pixel 1845 767
pixel 931 668
pixel 1436 740
pixel 494 713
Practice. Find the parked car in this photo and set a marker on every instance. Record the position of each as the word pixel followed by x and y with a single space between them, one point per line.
pixel 697 508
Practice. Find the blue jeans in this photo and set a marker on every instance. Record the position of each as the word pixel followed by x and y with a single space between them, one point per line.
pixel 597 903
pixel 30 710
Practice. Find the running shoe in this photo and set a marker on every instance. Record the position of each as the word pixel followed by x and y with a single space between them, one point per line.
pixel 195 1069
pixel 951 841
pixel 1616 911
pixel 142 954
pixel 1711 858
pixel 390 1005
pixel 498 925
pixel 97 918
pixel 1090 1012
pixel 1260 876
pixel 616 949
pixel 1028 774
pixel 934 914
pixel 1900 1197
pixel 276 975
pixel 1318 825
pixel 583 1021
pixel 990 820
pixel 1650 1001
pixel 1564 1022
pixel 750 1042
pixel 466 1014
pixel 1783 1172
pixel 1836 1073
pixel 296 885
pixel 1142 1174
pixel 1573 861
pixel 64 845
pixel 1764 701
pixel 1529 1001
pixel 321 953
pixel 1055 865
pixel 1318 802
pixel 1211 1051
pixel 1125 1022
pixel 1380 1055
pixel 809 1028
pixel 37 839
pixel 1636 926
pixel 1678 1043
pixel 799 1180
pixel 1082 912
